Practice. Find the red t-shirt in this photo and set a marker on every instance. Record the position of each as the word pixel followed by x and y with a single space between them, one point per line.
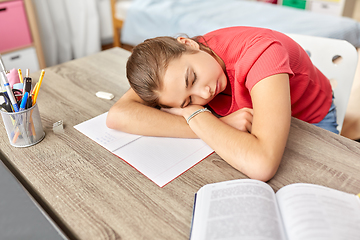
pixel 252 54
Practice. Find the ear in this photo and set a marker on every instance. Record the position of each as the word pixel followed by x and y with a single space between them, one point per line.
pixel 189 42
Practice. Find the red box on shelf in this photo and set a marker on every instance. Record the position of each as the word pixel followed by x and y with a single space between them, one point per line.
pixel 14 28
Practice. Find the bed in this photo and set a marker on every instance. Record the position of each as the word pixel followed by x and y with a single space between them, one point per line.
pixel 145 19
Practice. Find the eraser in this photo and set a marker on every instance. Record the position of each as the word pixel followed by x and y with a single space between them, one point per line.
pixel 58 127
pixel 105 95
pixel 13 77
pixel 18 86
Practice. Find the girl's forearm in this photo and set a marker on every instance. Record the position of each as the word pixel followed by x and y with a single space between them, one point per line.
pixel 136 118
pixel 244 151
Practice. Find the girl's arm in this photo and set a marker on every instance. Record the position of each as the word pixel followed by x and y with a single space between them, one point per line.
pixel 130 114
pixel 256 154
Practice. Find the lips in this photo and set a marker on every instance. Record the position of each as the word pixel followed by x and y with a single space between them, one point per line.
pixel 217 89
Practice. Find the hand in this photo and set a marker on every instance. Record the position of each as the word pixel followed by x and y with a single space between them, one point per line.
pixel 185 112
pixel 241 119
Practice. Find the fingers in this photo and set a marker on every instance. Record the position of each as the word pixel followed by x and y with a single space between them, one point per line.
pixel 185 112
pixel 245 123
pixel 249 110
pixel 165 110
pixel 176 111
pixel 249 126
pixel 242 119
pixel 246 115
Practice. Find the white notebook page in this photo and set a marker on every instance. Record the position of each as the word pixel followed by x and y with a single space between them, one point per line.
pixel 160 159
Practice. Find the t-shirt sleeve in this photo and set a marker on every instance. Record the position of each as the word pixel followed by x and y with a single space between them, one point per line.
pixel 273 60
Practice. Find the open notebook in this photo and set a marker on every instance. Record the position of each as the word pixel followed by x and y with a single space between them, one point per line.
pixel 158 158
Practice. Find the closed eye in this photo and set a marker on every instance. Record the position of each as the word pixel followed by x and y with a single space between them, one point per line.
pixel 192 83
pixel 195 78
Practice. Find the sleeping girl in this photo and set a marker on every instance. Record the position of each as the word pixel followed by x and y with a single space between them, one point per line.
pixel 235 88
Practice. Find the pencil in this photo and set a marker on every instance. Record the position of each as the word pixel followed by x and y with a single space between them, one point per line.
pixel 17 133
pixel 34 89
pixel 20 75
pixel 37 89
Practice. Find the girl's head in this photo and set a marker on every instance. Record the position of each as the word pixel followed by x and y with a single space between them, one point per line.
pixel 163 72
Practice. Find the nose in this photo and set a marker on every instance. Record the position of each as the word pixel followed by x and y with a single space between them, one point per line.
pixel 205 92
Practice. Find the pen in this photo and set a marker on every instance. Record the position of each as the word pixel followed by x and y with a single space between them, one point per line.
pixel 27 88
pixel 27 82
pixel 7 86
pixel 18 127
pixel 37 87
pixel 23 101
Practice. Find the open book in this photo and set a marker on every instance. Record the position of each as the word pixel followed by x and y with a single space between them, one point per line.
pixel 158 158
pixel 249 209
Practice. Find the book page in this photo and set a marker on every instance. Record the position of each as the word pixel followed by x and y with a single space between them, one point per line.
pixel 238 209
pixel 316 212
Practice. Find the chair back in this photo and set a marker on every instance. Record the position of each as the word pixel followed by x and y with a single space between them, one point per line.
pixel 337 60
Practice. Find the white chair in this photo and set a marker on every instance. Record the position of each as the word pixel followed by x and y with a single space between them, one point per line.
pixel 337 60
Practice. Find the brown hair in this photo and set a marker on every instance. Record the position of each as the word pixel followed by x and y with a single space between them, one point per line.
pixel 148 62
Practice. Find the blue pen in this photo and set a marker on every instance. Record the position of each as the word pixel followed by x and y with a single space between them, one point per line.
pixel 23 101
pixel 7 86
pixel 19 121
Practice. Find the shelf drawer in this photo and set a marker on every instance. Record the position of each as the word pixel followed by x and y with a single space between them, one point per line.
pixel 23 59
pixel 14 29
pixel 295 3
pixel 327 7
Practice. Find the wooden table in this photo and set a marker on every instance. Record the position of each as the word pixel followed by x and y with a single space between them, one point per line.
pixel 92 194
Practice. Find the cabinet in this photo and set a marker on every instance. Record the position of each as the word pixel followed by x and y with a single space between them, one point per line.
pixel 20 44
pixel 332 7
